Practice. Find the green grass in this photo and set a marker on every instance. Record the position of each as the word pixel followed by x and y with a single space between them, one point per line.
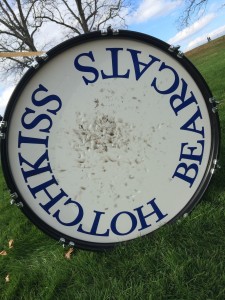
pixel 210 61
pixel 182 261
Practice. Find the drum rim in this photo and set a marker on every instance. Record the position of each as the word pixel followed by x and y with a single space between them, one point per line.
pixel 82 39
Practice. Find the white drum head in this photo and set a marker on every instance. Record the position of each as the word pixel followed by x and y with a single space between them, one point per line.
pixel 109 138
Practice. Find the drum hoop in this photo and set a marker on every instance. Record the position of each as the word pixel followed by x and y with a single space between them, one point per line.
pixel 82 39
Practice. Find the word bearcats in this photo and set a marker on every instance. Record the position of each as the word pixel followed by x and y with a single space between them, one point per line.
pixel 177 93
pixel 114 53
pixel 44 188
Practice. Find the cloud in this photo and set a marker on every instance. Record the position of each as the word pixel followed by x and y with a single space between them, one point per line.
pixel 4 98
pixel 203 38
pixel 192 29
pixel 152 9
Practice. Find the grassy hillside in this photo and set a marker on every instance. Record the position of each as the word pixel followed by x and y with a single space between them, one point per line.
pixel 183 261
pixel 210 61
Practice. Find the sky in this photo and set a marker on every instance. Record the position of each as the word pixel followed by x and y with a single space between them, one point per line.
pixel 159 18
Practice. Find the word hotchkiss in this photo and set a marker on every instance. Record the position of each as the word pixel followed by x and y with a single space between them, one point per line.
pixel 50 192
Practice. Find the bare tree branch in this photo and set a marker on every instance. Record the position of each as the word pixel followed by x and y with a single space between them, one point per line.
pixel 194 9
pixel 18 25
pixel 53 14
pixel 22 20
pixel 84 15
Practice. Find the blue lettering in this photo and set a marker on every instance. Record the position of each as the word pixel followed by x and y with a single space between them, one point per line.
pixel 182 103
pixel 36 120
pixel 189 173
pixel 53 200
pixel 114 57
pixel 175 84
pixel 46 100
pixel 78 217
pixel 94 227
pixel 36 169
pixel 191 126
pixel 143 217
pixel 137 63
pixel 191 155
pixel 32 140
pixel 115 218
pixel 88 69
pixel 42 187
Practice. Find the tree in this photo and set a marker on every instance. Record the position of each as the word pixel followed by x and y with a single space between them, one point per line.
pixel 18 26
pixel 22 21
pixel 82 16
pixel 193 9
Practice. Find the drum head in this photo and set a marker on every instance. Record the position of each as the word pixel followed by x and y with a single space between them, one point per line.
pixel 109 137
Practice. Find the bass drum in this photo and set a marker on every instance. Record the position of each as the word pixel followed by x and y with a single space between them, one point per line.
pixel 109 136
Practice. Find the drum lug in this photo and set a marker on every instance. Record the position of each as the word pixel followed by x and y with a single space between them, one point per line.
pixel 2 136
pixel 215 167
pixel 18 204
pixel 42 57
pixel 71 244
pixel 175 49
pixel 34 64
pixel 14 196
pixel 109 30
pixel 38 59
pixel 184 216
pixel 62 241
pixel 3 124
pixel 180 54
pixel 215 104
pixel 214 101
pixel 216 164
pixel 212 171
pixel 65 244
pixel 115 31
pixel 104 32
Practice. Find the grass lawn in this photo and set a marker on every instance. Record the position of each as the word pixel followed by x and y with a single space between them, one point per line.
pixel 182 261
